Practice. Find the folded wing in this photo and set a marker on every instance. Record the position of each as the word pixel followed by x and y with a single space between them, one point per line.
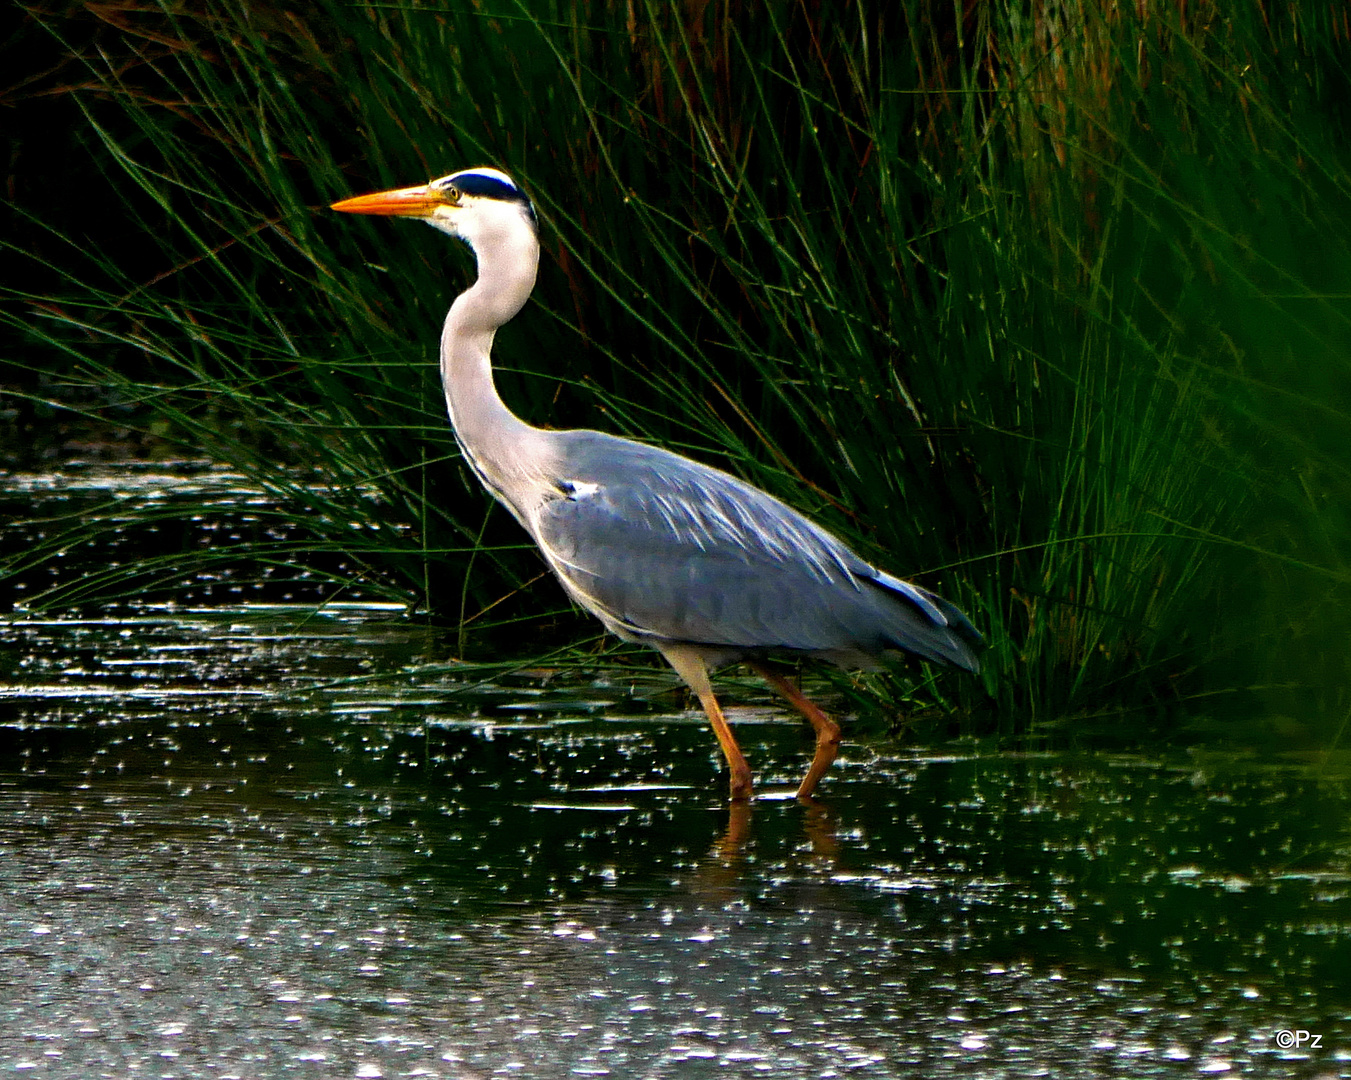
pixel 661 547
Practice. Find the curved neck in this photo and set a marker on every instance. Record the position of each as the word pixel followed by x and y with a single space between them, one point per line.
pixel 503 449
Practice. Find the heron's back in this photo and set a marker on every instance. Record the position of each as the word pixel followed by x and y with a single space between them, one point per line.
pixel 664 549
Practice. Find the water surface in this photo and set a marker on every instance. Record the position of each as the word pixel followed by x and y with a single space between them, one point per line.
pixel 251 840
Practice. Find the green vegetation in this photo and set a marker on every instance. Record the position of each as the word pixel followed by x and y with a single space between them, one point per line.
pixel 1048 305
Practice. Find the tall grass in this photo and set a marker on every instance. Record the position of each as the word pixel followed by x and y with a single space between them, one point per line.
pixel 1043 303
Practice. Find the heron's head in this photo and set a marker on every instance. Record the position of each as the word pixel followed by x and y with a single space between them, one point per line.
pixel 477 205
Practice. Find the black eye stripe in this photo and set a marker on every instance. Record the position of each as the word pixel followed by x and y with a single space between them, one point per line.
pixel 488 187
pixel 485 184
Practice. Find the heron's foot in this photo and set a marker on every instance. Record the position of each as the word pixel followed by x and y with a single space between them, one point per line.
pixel 827 746
pixel 741 788
pixel 827 731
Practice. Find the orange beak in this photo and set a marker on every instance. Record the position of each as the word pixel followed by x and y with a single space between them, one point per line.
pixel 419 202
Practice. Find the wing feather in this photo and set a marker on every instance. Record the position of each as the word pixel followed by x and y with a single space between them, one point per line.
pixel 659 546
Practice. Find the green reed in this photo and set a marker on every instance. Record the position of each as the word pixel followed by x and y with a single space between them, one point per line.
pixel 1045 306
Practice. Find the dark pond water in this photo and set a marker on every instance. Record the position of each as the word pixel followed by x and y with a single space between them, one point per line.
pixel 251 841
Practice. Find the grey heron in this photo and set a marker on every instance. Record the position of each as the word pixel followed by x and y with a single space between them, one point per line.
pixel 679 556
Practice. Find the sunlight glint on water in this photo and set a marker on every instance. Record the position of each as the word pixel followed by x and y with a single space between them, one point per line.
pixel 249 839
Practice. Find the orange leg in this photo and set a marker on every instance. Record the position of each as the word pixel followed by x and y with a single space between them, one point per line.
pixel 827 731
pixel 690 666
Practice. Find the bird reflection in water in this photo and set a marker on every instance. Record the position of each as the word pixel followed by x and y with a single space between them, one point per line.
pixel 723 874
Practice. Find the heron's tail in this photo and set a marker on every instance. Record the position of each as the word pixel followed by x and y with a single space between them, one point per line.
pixel 927 625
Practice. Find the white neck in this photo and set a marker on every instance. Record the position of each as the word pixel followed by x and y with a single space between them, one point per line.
pixel 507 453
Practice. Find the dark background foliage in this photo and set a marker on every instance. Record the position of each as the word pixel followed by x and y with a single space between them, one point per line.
pixel 1043 303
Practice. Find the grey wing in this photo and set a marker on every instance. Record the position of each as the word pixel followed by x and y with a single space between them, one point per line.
pixel 661 547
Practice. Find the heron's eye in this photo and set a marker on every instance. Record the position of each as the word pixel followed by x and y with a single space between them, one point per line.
pixel 453 193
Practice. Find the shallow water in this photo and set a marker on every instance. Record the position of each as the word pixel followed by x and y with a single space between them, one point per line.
pixel 252 841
